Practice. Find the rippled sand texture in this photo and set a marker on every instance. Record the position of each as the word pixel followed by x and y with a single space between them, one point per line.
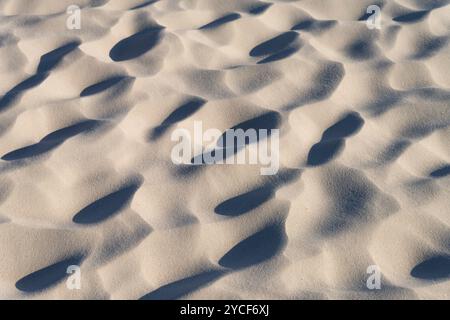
pixel 86 176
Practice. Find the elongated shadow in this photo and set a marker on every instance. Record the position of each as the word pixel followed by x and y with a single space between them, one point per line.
pixel 441 172
pixel 245 202
pixel 184 111
pixel 430 47
pixel 101 86
pixel 257 248
pixel 51 59
pixel 385 103
pixel 180 288
pixel 304 25
pixel 274 45
pixel 412 17
pixel 312 25
pixel 107 206
pixel 98 3
pixel 280 55
pixel 248 201
pixel 395 150
pixel 15 93
pixel 48 276
pixel 258 9
pixel 221 21
pixel 435 268
pixel 231 144
pixel 267 121
pixel 144 4
pixel 137 44
pixel 47 62
pixel 52 141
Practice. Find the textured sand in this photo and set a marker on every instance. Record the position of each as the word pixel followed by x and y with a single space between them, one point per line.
pixel 86 176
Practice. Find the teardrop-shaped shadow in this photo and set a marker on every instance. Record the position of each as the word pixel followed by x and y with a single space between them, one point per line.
pixel 107 206
pixel 257 248
pixel 48 276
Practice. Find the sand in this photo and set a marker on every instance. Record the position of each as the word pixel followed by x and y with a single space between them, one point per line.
pixel 87 180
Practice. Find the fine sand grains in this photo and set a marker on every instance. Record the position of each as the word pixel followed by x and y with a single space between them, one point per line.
pixel 86 176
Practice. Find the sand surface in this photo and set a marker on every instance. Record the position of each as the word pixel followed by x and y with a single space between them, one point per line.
pixel 86 176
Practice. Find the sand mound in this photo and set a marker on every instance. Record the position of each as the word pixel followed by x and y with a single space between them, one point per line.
pixel 86 176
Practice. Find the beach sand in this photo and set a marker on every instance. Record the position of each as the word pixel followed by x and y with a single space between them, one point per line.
pixel 87 178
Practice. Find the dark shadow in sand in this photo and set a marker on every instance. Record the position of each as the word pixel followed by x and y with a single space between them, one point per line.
pixel 350 124
pixel 51 59
pixel 325 151
pixel 260 8
pixel 52 141
pixel 137 44
pixel 280 55
pixel 257 248
pixel 384 103
pixel 412 17
pixel 395 150
pixel 184 111
pixel 48 276
pixel 267 121
pixel 274 45
pixel 248 201
pixel 17 91
pixel 107 206
pixel 314 25
pixel 180 288
pixel 98 3
pixel 101 86
pixel 144 4
pixel 245 202
pixel 47 62
pixel 361 50
pixel 221 21
pixel 329 79
pixel 333 139
pixel 187 170
pixel 434 93
pixel 441 172
pixel 435 268
pixel 304 25
pixel 430 47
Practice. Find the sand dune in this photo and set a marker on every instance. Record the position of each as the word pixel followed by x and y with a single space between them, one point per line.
pixel 86 176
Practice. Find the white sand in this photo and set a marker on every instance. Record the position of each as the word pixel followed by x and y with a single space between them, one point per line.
pixel 86 176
